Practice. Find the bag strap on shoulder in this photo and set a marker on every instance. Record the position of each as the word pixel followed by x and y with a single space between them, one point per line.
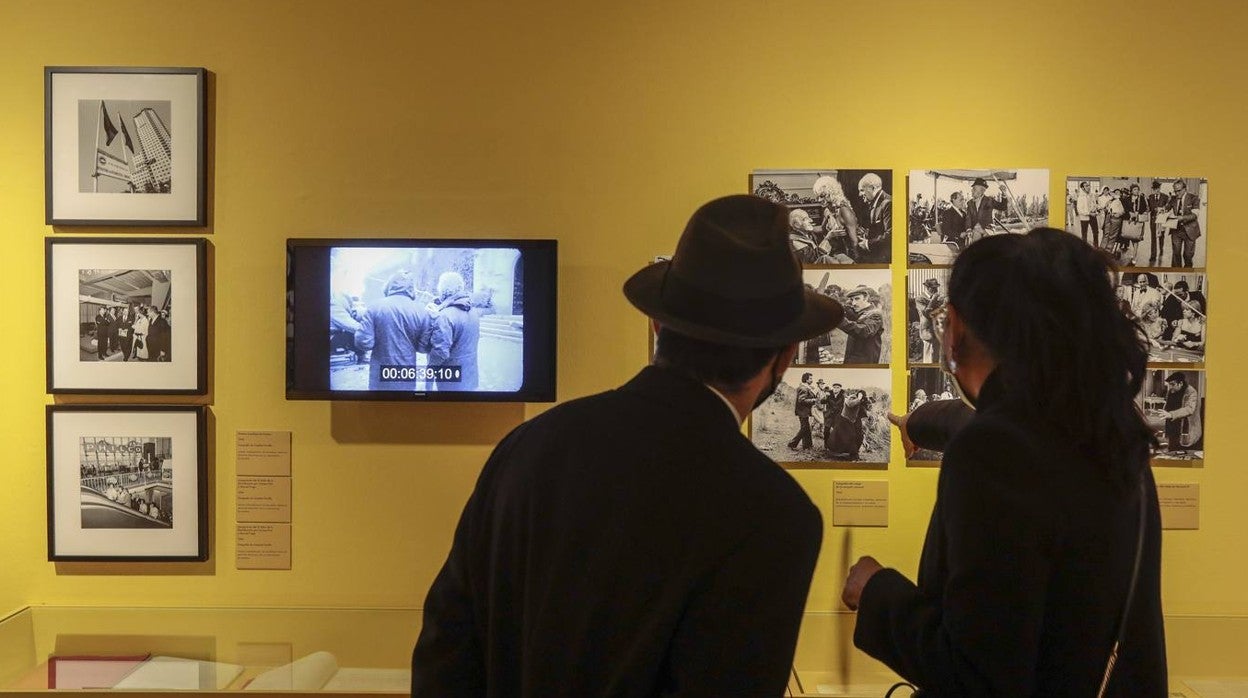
pixel 1126 609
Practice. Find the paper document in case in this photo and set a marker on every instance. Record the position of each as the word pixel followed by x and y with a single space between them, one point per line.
pixel 175 673
pixel 320 671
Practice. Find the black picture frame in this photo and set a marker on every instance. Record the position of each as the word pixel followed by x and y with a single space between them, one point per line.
pixel 66 205
pixel 60 476
pixel 61 369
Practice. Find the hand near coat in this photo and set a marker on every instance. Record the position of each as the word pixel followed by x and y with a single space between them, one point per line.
pixel 857 580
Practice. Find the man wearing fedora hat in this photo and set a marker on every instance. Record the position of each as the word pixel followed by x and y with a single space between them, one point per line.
pixel 931 300
pixel 635 543
pixel 1158 201
pixel 864 325
pixel 979 209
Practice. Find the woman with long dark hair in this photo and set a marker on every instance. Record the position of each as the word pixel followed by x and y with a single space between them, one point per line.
pixel 1028 578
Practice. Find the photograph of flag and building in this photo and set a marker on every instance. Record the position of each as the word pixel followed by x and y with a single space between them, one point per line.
pixel 124 147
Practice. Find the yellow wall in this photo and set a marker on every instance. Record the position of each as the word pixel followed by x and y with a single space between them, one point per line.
pixel 603 125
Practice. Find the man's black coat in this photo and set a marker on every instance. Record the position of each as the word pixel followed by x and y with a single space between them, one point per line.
pixel 632 543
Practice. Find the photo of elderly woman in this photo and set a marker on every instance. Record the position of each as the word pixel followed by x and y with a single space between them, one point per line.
pixel 835 216
pixel 1172 311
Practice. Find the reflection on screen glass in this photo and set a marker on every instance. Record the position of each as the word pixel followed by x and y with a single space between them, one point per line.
pixel 426 319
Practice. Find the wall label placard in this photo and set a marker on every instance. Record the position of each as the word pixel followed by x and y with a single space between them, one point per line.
pixel 262 453
pixel 262 546
pixel 262 500
pixel 860 503
pixel 1180 505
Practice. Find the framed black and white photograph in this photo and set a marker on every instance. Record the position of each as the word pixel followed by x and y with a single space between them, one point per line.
pixel 127 483
pixel 928 384
pixel 865 335
pixel 1172 310
pixel 124 146
pixel 126 315
pixel 1149 222
pixel 927 292
pixel 1173 403
pixel 949 209
pixel 826 417
pixel 835 216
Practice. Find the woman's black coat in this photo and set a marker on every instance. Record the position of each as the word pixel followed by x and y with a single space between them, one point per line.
pixel 1024 570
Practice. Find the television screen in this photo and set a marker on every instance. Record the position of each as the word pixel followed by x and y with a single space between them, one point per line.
pixel 401 319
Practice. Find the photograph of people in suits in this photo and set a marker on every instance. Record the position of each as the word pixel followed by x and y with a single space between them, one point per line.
pixel 835 216
pixel 1145 222
pixel 124 315
pixel 1173 403
pixel 864 336
pixel 950 209
pixel 1171 310
pixel 826 415
pixel 927 291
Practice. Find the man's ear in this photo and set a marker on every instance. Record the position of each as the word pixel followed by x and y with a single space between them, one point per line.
pixel 953 321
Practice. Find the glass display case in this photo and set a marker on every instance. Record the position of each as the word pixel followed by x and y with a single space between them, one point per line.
pixel 368 651
pixel 342 651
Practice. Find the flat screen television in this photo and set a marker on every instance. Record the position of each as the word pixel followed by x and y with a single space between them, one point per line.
pixel 420 320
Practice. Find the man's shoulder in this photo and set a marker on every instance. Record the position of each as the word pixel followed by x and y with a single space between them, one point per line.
pixel 733 457
pixel 869 315
pixel 883 203
pixel 456 313
pixel 613 406
pixel 775 490
pixel 577 408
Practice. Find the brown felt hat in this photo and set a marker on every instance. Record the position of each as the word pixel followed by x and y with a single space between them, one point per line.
pixel 734 280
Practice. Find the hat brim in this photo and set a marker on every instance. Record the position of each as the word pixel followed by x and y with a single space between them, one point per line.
pixel 820 314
